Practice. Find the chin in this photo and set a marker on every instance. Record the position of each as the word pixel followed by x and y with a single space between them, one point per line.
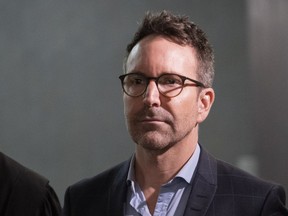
pixel 153 143
pixel 152 140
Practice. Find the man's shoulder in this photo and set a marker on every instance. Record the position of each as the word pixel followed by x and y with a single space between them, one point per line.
pixel 228 173
pixel 93 195
pixel 236 190
pixel 102 180
pixel 225 169
pixel 241 181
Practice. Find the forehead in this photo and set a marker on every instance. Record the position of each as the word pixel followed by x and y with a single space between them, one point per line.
pixel 157 54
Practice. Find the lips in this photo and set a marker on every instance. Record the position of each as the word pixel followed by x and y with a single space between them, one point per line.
pixel 152 120
pixel 152 116
pixel 151 124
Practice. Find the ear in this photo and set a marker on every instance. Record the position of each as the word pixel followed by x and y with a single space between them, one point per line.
pixel 205 101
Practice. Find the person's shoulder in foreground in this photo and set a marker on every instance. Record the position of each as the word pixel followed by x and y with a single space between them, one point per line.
pixel 24 192
pixel 219 189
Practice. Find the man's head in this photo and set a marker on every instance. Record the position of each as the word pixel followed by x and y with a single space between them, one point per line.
pixel 164 100
pixel 183 32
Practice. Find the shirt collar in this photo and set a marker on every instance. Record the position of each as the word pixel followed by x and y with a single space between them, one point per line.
pixel 188 169
pixel 185 173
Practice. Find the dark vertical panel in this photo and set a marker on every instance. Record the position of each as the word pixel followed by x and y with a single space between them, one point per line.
pixel 269 54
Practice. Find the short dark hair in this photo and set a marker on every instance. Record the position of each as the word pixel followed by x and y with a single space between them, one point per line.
pixel 181 31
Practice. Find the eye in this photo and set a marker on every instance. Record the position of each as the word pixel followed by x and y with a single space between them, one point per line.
pixel 170 80
pixel 135 79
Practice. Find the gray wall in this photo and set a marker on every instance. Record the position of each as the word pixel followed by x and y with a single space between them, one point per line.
pixel 61 102
pixel 268 36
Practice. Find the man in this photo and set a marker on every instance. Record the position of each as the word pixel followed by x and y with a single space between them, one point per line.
pixel 168 92
pixel 24 192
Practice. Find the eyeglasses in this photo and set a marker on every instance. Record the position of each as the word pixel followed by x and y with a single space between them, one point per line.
pixel 169 85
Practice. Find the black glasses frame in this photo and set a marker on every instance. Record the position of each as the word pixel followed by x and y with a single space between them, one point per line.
pixel 156 79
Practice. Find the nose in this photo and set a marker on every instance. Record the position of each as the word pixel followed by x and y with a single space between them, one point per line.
pixel 152 95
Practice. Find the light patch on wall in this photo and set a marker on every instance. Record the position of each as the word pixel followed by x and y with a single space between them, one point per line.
pixel 248 163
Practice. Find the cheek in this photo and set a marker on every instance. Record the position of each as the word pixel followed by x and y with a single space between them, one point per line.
pixel 185 110
pixel 126 106
pixel 130 106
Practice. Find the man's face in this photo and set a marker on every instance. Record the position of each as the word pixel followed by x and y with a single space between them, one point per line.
pixel 154 121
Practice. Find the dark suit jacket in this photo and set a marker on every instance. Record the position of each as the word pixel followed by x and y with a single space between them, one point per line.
pixel 219 189
pixel 24 192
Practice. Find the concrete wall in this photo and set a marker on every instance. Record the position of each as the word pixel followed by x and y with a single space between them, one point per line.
pixel 268 48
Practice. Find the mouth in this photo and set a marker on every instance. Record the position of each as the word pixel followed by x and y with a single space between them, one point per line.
pixel 152 117
pixel 152 120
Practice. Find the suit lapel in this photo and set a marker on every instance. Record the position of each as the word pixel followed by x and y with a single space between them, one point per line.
pixel 204 184
pixel 118 191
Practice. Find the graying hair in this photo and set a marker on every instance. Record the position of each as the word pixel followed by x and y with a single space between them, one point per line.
pixel 181 31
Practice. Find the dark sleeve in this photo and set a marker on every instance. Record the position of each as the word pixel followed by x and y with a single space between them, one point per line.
pixel 25 192
pixel 51 205
pixel 275 202
pixel 66 207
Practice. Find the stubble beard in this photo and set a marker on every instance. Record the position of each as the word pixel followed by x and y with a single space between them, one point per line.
pixel 154 141
pixel 158 141
pixel 157 138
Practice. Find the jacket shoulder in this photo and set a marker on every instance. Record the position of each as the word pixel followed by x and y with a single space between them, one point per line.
pixel 238 192
pixel 93 195
pixel 101 180
pixel 248 190
pixel 243 179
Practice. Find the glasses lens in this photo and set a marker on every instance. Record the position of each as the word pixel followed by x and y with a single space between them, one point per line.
pixel 170 85
pixel 134 84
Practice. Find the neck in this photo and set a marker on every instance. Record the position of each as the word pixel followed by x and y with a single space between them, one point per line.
pixel 157 169
pixel 153 169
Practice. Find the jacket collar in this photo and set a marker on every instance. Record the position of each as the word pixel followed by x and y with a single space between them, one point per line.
pixel 204 184
pixel 118 190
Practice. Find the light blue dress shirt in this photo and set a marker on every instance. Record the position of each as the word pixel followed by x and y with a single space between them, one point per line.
pixel 173 195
